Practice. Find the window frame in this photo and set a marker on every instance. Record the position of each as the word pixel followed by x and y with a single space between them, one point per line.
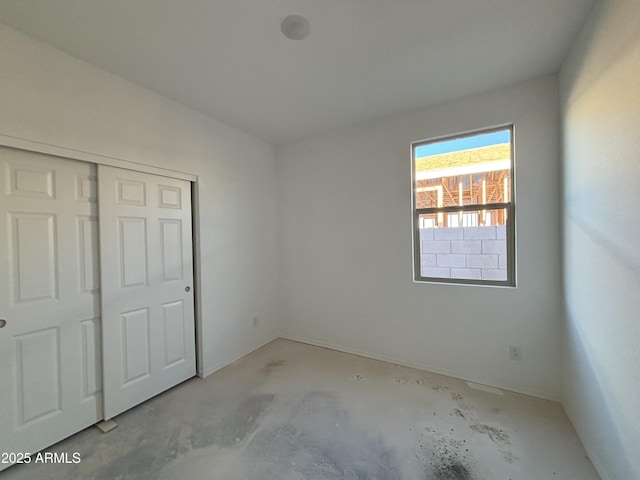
pixel 509 207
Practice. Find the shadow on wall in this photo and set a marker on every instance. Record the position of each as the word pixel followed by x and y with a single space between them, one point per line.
pixel 608 239
pixel 600 393
pixel 588 399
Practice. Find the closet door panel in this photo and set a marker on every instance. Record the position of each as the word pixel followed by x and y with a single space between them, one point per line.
pixel 147 286
pixel 49 300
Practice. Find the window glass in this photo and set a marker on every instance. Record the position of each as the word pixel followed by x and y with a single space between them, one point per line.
pixel 463 209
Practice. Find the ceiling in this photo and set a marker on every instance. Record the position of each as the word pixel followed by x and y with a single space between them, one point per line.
pixel 363 58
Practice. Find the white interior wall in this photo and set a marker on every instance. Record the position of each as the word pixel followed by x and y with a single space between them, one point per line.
pixel 601 119
pixel 49 97
pixel 344 203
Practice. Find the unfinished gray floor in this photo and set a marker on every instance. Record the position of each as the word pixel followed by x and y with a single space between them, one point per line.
pixel 292 411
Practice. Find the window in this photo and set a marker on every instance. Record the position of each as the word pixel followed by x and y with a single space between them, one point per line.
pixel 463 209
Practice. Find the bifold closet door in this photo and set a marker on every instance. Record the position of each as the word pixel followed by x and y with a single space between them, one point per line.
pixel 50 360
pixel 146 263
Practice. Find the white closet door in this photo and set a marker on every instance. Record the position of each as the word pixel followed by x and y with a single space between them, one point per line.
pixel 50 360
pixel 147 286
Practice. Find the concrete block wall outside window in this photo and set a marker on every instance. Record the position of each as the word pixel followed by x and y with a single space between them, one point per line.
pixel 477 253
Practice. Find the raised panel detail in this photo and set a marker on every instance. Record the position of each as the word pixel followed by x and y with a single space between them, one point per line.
pixel 38 375
pixel 131 192
pixel 133 251
pixel 135 343
pixel 34 262
pixel 88 261
pixel 91 342
pixel 86 188
pixel 171 245
pixel 31 181
pixel 169 197
pixel 174 332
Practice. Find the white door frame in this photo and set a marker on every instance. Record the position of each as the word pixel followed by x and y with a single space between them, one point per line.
pixel 73 154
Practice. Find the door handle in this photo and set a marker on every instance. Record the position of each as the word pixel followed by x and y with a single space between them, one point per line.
pixel 3 322
pixel 187 289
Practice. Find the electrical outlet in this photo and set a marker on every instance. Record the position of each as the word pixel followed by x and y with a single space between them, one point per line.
pixel 515 352
pixel 255 321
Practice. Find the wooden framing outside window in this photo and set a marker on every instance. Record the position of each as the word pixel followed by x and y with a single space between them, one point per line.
pixel 464 209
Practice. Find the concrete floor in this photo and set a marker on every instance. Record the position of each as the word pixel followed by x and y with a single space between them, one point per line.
pixel 293 411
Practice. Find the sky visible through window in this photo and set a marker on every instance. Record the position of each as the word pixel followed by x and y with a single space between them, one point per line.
pixel 464 143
